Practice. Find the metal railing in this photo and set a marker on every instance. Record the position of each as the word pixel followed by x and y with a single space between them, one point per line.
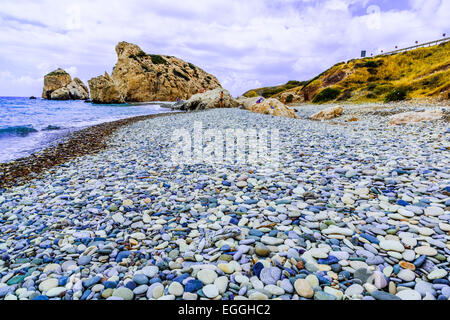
pixel 431 43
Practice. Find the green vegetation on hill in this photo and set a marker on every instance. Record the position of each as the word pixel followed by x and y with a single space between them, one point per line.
pixel 180 75
pixel 156 59
pixel 419 73
pixel 326 95
pixel 58 72
pixel 268 92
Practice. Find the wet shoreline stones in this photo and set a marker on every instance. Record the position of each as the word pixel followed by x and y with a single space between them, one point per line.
pixel 86 141
pixel 352 212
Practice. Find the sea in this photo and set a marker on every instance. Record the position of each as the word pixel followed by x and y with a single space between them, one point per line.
pixel 28 125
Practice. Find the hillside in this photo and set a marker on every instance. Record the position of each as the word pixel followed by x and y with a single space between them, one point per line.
pixel 268 92
pixel 419 73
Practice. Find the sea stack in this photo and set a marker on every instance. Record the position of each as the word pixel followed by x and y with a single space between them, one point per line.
pixel 142 77
pixel 58 85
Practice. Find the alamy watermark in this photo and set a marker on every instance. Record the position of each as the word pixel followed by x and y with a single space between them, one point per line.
pixel 373 21
pixel 229 146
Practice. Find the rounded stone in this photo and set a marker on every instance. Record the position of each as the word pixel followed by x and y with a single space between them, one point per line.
pixel 140 278
pixel 424 287
pixel 124 293
pixel 275 290
pixel 437 274
pixel 84 260
pixel 409 294
pixel 226 267
pixel 426 251
pixel 107 293
pixel 382 295
pixel 221 283
pixel 270 275
pixel 150 271
pixel 409 255
pixel 354 290
pixel 48 284
pixel 434 211
pixel 155 291
pixel 207 276
pixel 257 296
pixel 55 292
pixel 392 245
pixel 241 184
pixel 312 280
pixel 262 250
pixel 303 288
pixel 210 291
pixel 406 275
pixel 176 289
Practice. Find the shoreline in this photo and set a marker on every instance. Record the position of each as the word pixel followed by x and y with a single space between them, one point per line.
pixel 77 143
pixel 92 139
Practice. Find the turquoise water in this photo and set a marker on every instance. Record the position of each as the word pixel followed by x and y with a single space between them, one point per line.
pixel 27 126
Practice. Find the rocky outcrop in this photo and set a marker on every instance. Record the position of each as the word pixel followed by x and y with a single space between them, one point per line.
pixel 289 97
pixel 208 100
pixel 78 90
pixel 60 94
pixel 247 103
pixel 55 80
pixel 105 90
pixel 58 85
pixel 75 90
pixel 142 77
pixel 414 117
pixel 273 107
pixel 328 114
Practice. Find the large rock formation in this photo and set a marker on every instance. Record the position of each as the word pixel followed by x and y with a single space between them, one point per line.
pixel 208 100
pixel 58 85
pixel 55 80
pixel 273 107
pixel 78 90
pixel 414 117
pixel 105 90
pixel 60 94
pixel 328 113
pixel 141 77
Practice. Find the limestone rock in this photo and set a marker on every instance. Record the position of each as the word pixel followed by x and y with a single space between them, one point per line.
pixel 209 100
pixel 78 90
pixel 303 288
pixel 413 117
pixel 58 85
pixel 141 77
pixel 328 114
pixel 55 80
pixel 60 94
pixel 246 103
pixel 273 107
pixel 289 97
pixel 105 90
pixel 75 90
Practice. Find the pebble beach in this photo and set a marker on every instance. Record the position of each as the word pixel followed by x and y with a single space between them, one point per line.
pixel 354 210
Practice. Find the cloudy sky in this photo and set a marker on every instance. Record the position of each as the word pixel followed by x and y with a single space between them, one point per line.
pixel 246 44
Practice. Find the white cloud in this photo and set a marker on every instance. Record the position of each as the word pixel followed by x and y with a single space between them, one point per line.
pixel 235 82
pixel 10 82
pixel 72 71
pixel 336 5
pixel 244 43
